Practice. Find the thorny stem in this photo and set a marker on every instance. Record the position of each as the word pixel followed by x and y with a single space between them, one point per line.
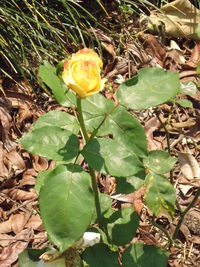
pixel 92 173
pixel 183 213
pixel 168 142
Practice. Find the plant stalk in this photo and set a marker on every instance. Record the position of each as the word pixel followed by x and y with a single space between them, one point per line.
pixel 92 173
pixel 183 213
pixel 171 242
pixel 168 141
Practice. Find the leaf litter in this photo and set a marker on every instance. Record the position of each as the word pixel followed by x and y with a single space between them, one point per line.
pixel 21 225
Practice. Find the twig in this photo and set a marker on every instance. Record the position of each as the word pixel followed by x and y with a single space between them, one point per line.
pixel 168 141
pixel 183 213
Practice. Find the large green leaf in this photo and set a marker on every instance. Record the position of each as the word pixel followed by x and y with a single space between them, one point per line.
pixel 57 118
pixel 127 185
pixel 52 142
pixel 27 260
pixel 141 255
pixel 66 204
pixel 64 96
pixel 100 255
pixel 119 122
pixel 40 180
pixel 108 156
pixel 152 86
pixel 94 109
pixel 160 195
pixel 122 226
pixel 128 131
pixel 159 161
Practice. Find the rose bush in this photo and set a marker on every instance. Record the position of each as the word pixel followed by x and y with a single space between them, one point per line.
pixel 82 73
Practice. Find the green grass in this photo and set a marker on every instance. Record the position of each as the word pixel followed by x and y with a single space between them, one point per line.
pixel 34 30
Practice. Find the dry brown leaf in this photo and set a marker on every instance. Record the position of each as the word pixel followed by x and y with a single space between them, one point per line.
pixel 6 227
pixel 192 220
pixel 40 163
pixel 195 56
pixel 180 18
pixel 14 163
pixel 150 126
pixel 18 194
pixel 17 222
pixel 5 123
pixel 14 224
pixel 186 189
pixel 35 223
pixel 153 47
pixel 189 166
pixel 5 240
pixel 3 169
pixel 10 253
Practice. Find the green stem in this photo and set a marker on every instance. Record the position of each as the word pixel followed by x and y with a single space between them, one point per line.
pixel 168 141
pixel 183 213
pixel 92 173
pixel 171 242
pixel 81 120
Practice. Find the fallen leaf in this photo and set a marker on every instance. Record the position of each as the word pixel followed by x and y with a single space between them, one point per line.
pixel 180 18
pixel 17 222
pixel 10 253
pixel 35 223
pixel 40 163
pixel 18 194
pixel 153 47
pixel 186 190
pixel 189 166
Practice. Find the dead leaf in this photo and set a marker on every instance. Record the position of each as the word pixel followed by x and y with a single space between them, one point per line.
pixel 17 222
pixel 18 194
pixel 195 56
pixel 192 220
pixel 10 253
pixel 35 223
pixel 189 166
pixel 150 127
pixel 3 169
pixel 14 224
pixel 180 18
pixel 40 163
pixel 153 47
pixel 186 189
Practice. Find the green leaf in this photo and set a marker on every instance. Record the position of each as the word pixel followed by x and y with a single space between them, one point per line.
pixel 100 255
pixel 57 118
pixel 122 226
pixel 198 64
pixel 184 103
pixel 66 204
pixel 128 131
pixel 152 87
pixel 188 88
pixel 64 96
pixel 52 142
pixel 160 195
pixel 40 180
pixel 94 109
pixel 159 161
pixel 30 258
pixel 127 185
pixel 141 255
pixel 108 156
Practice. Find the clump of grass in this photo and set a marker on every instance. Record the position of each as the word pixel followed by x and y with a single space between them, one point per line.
pixel 32 30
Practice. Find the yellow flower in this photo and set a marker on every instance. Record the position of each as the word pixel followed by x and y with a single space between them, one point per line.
pixel 82 73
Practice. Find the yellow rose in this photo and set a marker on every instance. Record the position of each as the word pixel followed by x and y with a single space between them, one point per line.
pixel 82 73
